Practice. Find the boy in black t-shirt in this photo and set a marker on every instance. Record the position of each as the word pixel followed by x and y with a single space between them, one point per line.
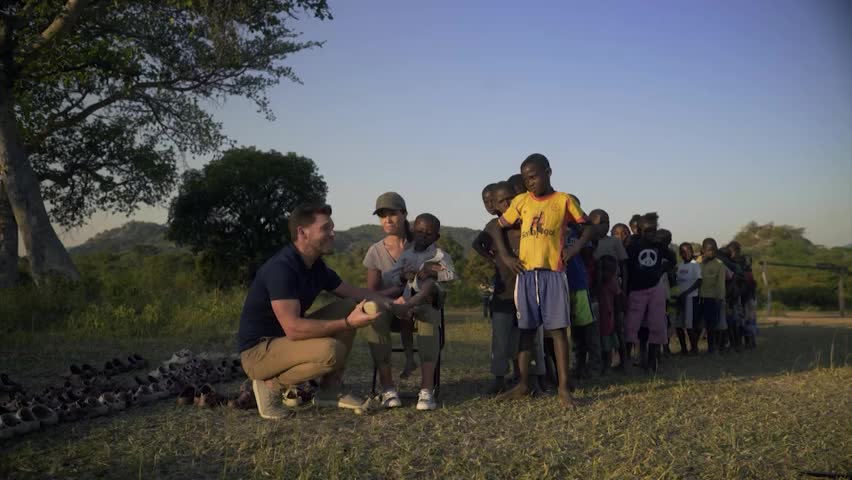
pixel 647 294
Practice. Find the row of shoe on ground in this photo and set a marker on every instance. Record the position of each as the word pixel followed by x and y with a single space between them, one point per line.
pixel 87 392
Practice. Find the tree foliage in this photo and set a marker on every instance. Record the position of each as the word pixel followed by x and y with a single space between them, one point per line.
pixel 235 210
pixel 794 288
pixel 106 105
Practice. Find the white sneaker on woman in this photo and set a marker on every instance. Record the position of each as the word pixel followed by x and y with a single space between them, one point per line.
pixel 390 399
pixel 426 400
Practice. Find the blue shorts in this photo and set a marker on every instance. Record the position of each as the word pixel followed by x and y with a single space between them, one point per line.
pixel 541 297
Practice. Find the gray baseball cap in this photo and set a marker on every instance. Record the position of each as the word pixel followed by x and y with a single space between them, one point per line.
pixel 389 201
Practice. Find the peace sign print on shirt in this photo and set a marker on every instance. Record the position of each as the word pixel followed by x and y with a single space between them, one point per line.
pixel 648 257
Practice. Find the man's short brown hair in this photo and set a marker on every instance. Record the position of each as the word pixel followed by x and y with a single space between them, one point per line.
pixel 304 215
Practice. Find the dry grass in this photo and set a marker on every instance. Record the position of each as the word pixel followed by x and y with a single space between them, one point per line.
pixel 771 413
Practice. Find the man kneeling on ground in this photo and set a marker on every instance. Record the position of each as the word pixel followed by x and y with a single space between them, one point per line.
pixel 281 347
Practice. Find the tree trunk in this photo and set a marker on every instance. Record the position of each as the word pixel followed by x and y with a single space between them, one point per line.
pixel 47 255
pixel 8 242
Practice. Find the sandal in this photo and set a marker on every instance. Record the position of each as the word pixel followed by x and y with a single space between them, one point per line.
pixel 119 365
pixel 8 385
pixel 71 412
pixel 187 395
pixel 112 402
pixel 13 424
pixel 5 432
pixel 45 415
pixel 88 370
pixel 144 395
pixel 29 421
pixel 137 362
pixel 158 390
pixel 94 408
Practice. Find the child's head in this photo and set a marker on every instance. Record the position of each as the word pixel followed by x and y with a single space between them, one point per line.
pixel 736 249
pixel 648 226
pixel 621 232
pixel 536 172
pixel 634 223
pixel 488 198
pixel 664 236
pixel 709 248
pixel 427 230
pixel 686 253
pixel 601 218
pixel 517 183
pixel 609 266
pixel 725 252
pixel 502 197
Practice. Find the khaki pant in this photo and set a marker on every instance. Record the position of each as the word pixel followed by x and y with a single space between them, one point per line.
pixel 292 362
pixel 427 321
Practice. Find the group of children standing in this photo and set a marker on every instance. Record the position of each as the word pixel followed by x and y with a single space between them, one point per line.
pixel 620 291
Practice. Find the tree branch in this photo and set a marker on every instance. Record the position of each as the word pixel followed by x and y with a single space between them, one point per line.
pixel 61 25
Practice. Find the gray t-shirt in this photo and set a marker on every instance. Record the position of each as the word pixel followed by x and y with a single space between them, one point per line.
pixel 378 257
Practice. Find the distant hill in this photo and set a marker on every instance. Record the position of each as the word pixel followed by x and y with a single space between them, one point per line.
pixel 365 235
pixel 133 234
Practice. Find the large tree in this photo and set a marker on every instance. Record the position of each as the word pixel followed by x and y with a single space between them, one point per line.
pixel 235 210
pixel 100 98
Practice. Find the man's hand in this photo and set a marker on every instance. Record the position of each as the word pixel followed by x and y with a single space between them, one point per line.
pixel 357 318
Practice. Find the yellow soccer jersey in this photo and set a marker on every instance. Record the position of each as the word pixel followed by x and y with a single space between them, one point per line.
pixel 544 221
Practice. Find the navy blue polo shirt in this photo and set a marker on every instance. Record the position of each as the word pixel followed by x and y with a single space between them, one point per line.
pixel 283 277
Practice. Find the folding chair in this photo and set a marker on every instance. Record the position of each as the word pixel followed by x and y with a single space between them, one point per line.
pixel 441 340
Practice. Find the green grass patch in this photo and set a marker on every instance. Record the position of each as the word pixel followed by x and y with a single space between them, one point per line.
pixel 769 413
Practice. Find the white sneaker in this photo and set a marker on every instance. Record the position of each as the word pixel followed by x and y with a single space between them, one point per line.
pixel 390 399
pixel 426 400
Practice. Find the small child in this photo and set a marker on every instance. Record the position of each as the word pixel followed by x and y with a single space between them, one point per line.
pixel 711 294
pixel 664 237
pixel 621 232
pixel 584 329
pixel 733 292
pixel 423 268
pixel 688 282
pixel 613 246
pixel 747 296
pixel 610 305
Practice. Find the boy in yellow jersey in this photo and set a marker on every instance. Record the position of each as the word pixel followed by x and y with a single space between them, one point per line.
pixel 541 289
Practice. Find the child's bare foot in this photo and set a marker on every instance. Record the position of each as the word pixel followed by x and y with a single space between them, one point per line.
pixel 566 398
pixel 518 392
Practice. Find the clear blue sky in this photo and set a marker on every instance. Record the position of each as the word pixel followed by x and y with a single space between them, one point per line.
pixel 712 113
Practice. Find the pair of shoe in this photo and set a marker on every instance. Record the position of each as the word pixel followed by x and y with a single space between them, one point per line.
pixel 26 419
pixel 425 399
pixel 203 397
pixel 245 400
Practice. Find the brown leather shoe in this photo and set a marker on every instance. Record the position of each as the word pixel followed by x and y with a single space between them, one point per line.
pixel 206 397
pixel 187 395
